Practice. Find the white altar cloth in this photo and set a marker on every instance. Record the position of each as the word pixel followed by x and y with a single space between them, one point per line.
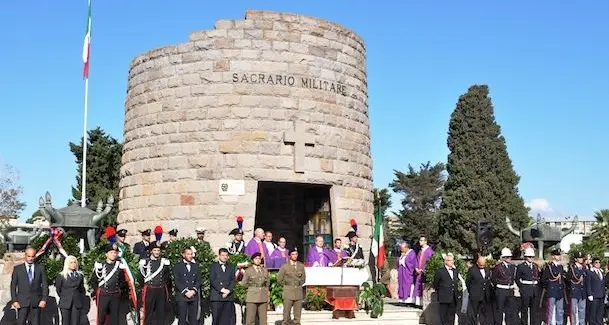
pixel 336 276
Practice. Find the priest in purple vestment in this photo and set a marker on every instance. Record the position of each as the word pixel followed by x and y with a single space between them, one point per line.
pixel 407 263
pixel 424 254
pixel 337 253
pixel 317 255
pixel 280 254
pixel 256 245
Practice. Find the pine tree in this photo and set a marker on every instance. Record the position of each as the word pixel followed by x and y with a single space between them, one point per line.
pixel 104 154
pixel 481 184
pixel 422 191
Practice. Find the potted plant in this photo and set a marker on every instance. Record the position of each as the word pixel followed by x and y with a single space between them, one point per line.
pixel 370 298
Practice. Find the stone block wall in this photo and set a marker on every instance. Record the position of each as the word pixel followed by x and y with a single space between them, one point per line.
pixel 217 106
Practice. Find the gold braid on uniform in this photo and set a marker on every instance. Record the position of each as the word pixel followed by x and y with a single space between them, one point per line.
pixel 580 279
pixel 553 277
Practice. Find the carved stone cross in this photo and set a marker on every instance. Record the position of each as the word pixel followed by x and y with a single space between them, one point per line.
pixel 299 138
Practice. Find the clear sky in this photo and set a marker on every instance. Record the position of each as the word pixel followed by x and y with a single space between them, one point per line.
pixel 546 63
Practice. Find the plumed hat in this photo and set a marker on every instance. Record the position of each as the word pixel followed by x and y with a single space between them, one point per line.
pixel 158 233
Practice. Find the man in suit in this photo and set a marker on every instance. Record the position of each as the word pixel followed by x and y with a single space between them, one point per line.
pixel 595 286
pixel 29 289
pixel 527 278
pixel 141 248
pixel 503 276
pixel 445 284
pixel 292 277
pixel 187 280
pixel 480 288
pixel 221 297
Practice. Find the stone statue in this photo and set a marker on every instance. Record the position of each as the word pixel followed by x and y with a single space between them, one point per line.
pixel 74 219
pixel 540 233
pixel 19 238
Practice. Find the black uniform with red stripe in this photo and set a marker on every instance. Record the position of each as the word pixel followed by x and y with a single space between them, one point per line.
pixel 107 282
pixel 155 280
pixel 527 279
pixel 503 276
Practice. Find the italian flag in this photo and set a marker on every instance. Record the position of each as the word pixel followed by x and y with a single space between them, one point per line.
pixel 86 48
pixel 378 247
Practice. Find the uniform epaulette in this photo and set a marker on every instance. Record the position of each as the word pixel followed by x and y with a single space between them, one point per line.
pixel 97 266
pixel 165 261
pixel 142 263
pixel 121 266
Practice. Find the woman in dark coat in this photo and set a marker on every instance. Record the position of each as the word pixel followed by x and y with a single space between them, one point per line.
pixel 71 291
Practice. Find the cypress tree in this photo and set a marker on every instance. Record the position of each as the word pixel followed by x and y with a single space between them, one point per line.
pixel 481 183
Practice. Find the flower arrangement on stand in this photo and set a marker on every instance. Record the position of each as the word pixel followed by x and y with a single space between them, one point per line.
pixel 52 249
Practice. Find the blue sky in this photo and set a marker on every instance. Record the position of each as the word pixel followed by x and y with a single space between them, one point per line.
pixel 545 62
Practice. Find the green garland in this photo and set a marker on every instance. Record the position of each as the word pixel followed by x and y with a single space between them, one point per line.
pixel 55 265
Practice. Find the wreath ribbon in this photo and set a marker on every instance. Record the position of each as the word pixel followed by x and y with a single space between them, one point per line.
pixel 55 235
pixel 131 283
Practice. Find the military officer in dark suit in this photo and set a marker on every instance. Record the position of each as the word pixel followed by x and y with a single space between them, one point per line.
pixel 187 281
pixel 503 279
pixel 292 277
pixel 122 236
pixel 29 289
pixel 354 250
pixel 237 245
pixel 155 280
pixel 527 279
pixel 107 282
pixel 480 288
pixel 445 284
pixel 596 285
pixel 552 280
pixel 141 248
pixel 222 282
pixel 576 284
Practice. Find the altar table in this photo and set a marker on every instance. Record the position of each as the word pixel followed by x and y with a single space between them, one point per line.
pixel 340 284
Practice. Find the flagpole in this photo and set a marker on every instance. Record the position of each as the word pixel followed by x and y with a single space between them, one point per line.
pixel 83 195
pixel 86 54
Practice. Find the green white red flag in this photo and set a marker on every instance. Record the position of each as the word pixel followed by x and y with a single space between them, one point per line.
pixel 86 48
pixel 378 247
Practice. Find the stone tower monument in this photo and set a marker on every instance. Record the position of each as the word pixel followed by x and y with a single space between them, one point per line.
pixel 265 118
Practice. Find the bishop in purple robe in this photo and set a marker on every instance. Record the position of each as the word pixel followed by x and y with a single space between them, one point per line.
pixel 256 245
pixel 318 255
pixel 407 264
pixel 280 255
pixel 424 255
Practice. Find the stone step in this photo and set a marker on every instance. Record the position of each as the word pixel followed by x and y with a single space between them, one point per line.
pixel 406 314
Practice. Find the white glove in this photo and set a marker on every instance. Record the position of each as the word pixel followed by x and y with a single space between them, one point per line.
pixel 590 298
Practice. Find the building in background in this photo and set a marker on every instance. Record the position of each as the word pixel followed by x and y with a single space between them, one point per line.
pixel 583 225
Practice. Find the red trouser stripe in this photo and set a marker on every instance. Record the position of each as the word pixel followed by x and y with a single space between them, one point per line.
pixel 97 305
pixel 144 292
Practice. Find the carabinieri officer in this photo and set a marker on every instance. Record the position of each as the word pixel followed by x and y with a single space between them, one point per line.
pixel 155 278
pixel 107 282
